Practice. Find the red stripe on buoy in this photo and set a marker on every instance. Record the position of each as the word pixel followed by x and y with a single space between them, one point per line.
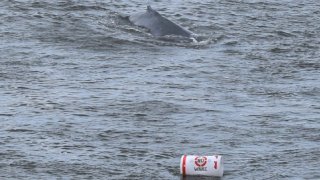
pixel 184 165
pixel 216 163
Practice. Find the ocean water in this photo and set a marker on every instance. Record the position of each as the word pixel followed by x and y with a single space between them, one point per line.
pixel 86 95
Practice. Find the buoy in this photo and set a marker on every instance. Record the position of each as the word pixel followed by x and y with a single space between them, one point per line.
pixel 201 165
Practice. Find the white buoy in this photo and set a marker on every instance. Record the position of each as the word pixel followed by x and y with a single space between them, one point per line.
pixel 201 165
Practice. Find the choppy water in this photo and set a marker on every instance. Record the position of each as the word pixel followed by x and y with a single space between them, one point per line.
pixel 84 94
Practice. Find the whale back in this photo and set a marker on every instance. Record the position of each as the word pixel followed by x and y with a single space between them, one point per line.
pixel 157 24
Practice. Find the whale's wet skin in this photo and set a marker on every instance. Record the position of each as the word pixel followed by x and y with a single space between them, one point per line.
pixel 157 24
pixel 85 94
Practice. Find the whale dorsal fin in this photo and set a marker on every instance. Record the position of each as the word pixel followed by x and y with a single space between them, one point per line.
pixel 150 10
pixel 157 24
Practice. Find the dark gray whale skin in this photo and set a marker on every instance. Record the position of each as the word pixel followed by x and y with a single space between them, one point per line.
pixel 157 24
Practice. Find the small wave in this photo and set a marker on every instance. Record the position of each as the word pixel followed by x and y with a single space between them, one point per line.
pixel 284 34
pixel 6 115
pixel 19 130
pixel 279 50
pixel 85 8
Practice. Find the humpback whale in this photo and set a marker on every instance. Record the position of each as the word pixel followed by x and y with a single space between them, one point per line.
pixel 157 24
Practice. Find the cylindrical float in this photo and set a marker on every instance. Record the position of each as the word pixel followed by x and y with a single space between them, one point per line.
pixel 201 165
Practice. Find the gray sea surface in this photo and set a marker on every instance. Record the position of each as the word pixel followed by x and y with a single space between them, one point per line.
pixel 86 95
